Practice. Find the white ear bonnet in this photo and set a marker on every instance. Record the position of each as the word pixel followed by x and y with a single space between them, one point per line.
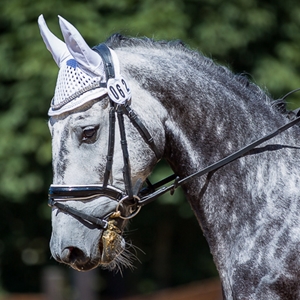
pixel 81 77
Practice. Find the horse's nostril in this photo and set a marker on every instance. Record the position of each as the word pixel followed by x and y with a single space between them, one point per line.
pixel 73 254
pixel 66 254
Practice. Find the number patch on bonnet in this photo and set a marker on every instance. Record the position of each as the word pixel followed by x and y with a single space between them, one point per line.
pixel 118 90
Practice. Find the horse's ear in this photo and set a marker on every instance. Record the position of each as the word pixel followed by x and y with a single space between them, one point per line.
pixel 57 47
pixel 79 49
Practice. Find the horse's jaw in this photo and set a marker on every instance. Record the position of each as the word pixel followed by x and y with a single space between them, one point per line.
pixel 81 244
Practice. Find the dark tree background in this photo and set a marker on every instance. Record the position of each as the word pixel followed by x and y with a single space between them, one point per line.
pixel 258 37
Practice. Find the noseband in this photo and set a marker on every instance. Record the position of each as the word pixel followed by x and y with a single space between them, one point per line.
pixel 133 196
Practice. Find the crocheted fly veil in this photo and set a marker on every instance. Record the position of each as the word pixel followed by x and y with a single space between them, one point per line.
pixel 74 87
pixel 81 77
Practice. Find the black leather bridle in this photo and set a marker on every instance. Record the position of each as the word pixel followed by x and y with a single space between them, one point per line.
pixel 59 194
pixel 133 196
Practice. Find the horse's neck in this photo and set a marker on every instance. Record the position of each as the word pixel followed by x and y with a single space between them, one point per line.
pixel 211 114
pixel 234 205
pixel 243 204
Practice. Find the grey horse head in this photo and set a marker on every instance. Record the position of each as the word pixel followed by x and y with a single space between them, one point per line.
pixel 79 126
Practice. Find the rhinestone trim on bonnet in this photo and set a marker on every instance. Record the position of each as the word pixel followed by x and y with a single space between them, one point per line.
pixel 75 87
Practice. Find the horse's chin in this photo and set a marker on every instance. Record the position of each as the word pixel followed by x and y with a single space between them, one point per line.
pixel 84 268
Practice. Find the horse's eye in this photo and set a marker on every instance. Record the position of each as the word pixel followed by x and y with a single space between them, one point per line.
pixel 89 133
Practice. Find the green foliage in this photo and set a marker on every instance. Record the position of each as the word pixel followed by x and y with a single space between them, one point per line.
pixel 258 37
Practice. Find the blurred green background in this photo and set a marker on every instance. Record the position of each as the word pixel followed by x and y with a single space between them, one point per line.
pixel 258 37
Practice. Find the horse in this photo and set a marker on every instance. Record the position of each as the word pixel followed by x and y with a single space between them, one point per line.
pixel 172 103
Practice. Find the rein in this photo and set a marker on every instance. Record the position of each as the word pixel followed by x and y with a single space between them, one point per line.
pixel 150 195
pixel 120 94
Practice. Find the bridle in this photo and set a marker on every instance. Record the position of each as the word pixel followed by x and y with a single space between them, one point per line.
pixel 120 96
pixel 134 196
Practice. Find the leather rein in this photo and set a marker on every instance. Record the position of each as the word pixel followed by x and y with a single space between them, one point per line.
pixel 133 196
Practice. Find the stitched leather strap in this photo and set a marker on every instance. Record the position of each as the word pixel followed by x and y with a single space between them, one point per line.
pixel 100 223
pixel 105 54
pixel 135 120
pixel 111 144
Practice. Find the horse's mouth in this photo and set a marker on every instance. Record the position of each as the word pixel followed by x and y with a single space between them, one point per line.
pixel 111 247
pixel 108 254
pixel 76 258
